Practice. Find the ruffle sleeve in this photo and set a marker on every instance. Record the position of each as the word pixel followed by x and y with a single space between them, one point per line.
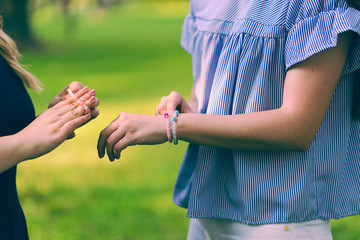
pixel 313 32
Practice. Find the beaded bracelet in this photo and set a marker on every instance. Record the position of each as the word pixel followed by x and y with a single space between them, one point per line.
pixel 176 114
pixel 81 103
pixel 167 124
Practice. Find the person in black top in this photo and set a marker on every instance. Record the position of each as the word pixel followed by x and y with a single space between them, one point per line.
pixel 24 136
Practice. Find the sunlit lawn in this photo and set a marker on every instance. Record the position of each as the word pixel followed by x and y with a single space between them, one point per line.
pixel 131 56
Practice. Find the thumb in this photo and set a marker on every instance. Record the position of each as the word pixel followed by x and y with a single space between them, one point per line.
pixel 75 86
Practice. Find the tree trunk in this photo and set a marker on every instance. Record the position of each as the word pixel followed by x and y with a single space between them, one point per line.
pixel 16 20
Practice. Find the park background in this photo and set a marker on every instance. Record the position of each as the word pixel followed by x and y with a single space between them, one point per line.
pixel 129 52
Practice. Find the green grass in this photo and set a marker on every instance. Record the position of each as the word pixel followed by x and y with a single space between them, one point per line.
pixel 71 194
pixel 131 56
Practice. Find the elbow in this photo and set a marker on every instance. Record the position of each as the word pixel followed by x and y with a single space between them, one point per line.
pixel 302 147
pixel 301 143
pixel 299 131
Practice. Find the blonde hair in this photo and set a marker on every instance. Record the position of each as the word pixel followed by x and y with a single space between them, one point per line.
pixel 10 53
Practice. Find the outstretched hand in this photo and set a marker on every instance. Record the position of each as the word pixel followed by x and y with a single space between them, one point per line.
pixel 54 125
pixel 130 129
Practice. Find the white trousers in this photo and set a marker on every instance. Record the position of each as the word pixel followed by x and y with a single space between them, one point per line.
pixel 218 229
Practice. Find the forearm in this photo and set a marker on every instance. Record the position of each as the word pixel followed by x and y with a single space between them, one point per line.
pixel 277 129
pixel 11 151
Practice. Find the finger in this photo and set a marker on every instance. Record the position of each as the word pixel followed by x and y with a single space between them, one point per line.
pixel 120 146
pixel 86 96
pixel 74 87
pixel 71 136
pixel 73 124
pixel 64 107
pixel 90 102
pixel 104 134
pixel 70 109
pixel 115 137
pixel 94 113
pixel 60 97
pixel 81 92
pixel 60 104
pixel 161 108
pixel 95 103
pixel 77 112
pixel 171 107
pixel 64 92
pixel 85 99
pixel 174 102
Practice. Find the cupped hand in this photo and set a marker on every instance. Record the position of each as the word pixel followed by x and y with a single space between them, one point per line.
pixel 174 101
pixel 54 125
pixel 130 129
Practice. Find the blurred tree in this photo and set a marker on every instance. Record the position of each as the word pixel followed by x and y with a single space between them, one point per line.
pixel 16 20
pixel 65 6
pixel 17 14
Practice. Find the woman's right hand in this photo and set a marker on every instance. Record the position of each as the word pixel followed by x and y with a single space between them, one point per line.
pixel 174 101
pixel 54 125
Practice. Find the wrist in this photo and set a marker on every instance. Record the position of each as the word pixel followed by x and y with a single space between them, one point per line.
pixel 22 145
pixel 16 151
pixel 170 126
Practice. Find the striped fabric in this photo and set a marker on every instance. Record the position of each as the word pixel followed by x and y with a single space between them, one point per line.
pixel 241 50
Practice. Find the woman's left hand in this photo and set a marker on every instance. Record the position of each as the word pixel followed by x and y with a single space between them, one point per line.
pixel 130 129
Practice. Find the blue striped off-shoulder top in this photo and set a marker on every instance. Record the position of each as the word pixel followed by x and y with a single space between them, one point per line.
pixel 241 50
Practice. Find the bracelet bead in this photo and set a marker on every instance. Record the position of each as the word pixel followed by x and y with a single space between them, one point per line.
pixel 173 119
pixel 167 125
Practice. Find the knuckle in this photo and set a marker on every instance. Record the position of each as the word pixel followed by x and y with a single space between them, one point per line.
pixel 159 107
pixel 173 93
pixel 75 113
pixel 109 141
pixel 124 116
pixel 102 133
pixel 76 83
pixel 126 125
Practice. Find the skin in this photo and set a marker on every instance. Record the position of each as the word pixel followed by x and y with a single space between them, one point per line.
pixel 75 87
pixel 56 123
pixel 308 90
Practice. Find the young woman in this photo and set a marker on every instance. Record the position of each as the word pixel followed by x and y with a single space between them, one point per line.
pixel 274 151
pixel 24 136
